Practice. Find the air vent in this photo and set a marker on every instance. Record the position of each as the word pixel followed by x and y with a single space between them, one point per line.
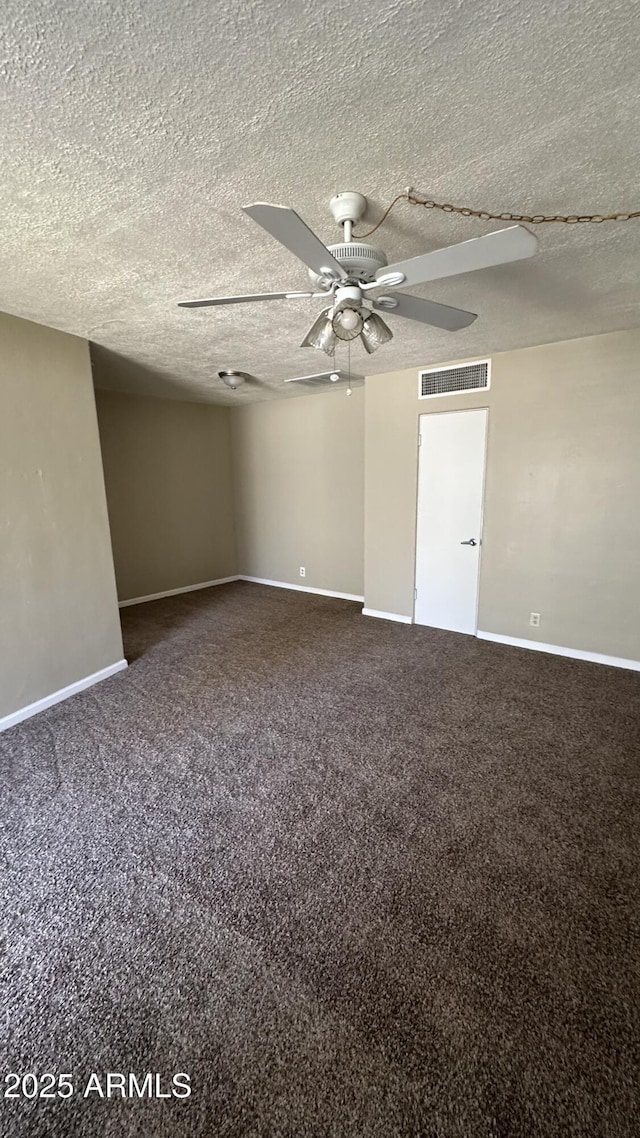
pixel 323 379
pixel 456 380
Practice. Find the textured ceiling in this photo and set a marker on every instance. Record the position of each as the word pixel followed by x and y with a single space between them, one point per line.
pixel 131 133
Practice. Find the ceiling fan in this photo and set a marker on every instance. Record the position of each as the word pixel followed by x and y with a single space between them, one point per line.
pixel 355 274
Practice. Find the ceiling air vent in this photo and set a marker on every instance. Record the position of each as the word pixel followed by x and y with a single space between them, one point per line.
pixel 456 380
pixel 325 379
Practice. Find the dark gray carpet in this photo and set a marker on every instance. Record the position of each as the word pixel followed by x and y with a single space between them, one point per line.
pixel 354 878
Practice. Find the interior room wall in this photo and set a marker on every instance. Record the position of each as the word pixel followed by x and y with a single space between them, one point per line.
pixel 167 468
pixel 299 491
pixel 561 526
pixel 58 608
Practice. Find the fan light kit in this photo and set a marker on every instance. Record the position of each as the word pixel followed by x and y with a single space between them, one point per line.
pixel 359 281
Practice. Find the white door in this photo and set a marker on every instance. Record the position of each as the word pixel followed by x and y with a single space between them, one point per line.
pixel 449 531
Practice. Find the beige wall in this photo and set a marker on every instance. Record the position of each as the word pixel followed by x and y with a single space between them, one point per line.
pixel 58 610
pixel 561 530
pixel 298 481
pixel 167 468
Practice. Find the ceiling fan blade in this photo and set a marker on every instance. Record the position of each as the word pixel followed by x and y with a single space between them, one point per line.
pixel 426 311
pixel 290 230
pixel 247 299
pixel 512 244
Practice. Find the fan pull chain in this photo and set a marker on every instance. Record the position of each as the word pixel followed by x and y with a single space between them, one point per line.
pixel 412 197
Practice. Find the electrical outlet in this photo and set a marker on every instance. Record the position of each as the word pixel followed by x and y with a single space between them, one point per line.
pixel 303 571
pixel 534 619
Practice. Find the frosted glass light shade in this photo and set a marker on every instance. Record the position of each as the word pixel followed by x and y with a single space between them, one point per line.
pixel 375 332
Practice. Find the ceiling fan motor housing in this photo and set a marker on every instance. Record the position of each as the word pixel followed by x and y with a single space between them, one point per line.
pixel 360 260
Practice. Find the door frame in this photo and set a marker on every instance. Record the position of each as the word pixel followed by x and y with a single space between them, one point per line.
pixel 452 411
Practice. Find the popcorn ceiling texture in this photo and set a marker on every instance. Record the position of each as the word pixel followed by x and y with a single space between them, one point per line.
pixel 131 134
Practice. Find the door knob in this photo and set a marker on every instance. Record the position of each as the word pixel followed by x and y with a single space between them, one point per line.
pixel 471 541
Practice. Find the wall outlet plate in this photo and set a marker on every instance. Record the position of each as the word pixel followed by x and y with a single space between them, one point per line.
pixel 303 571
pixel 534 619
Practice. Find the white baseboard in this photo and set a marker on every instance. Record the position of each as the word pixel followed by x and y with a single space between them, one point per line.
pixel 302 588
pixel 388 616
pixel 174 592
pixel 240 577
pixel 557 650
pixel 58 696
